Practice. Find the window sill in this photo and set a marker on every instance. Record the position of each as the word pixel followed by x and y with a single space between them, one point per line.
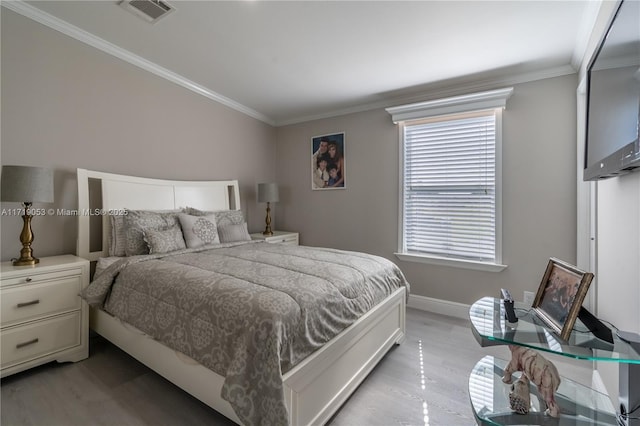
pixel 455 263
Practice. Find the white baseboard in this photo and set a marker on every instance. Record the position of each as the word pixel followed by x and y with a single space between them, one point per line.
pixel 439 306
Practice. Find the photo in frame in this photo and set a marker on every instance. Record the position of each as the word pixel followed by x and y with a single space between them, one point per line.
pixel 328 162
pixel 560 296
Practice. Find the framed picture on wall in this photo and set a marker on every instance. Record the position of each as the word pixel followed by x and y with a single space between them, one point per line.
pixel 328 162
pixel 560 296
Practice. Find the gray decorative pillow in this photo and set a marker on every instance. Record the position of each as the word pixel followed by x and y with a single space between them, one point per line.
pixel 233 233
pixel 118 236
pixel 164 240
pixel 199 230
pixel 223 217
pixel 191 211
pixel 229 217
pixel 139 221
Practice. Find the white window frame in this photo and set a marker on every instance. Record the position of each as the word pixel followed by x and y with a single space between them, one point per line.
pixel 491 100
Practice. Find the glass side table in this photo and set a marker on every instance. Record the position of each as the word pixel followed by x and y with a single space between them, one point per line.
pixel 579 404
pixel 490 328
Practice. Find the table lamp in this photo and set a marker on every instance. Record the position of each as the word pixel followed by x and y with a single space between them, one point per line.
pixel 268 193
pixel 26 184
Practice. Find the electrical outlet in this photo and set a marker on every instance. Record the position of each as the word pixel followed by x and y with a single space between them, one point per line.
pixel 528 297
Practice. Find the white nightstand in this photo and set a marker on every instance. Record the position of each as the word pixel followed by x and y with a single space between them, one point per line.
pixel 43 317
pixel 281 237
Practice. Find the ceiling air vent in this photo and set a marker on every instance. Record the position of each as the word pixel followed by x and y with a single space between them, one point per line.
pixel 149 10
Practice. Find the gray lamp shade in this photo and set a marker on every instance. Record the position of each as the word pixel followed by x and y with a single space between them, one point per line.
pixel 268 193
pixel 26 184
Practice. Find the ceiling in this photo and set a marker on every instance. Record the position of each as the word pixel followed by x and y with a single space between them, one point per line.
pixel 291 61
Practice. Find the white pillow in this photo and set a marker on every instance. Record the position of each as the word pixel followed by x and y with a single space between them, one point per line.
pixel 199 230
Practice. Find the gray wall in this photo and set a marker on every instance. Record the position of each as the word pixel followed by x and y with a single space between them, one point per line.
pixel 66 105
pixel 539 192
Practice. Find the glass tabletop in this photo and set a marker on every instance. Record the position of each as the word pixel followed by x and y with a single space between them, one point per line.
pixel 579 405
pixel 491 328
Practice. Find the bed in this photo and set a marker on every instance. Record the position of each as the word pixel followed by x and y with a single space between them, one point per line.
pixel 313 379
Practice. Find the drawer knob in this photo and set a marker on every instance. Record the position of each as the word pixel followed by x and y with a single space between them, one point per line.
pixel 28 279
pixel 30 342
pixel 23 304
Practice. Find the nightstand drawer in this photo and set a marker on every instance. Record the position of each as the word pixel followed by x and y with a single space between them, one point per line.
pixel 35 277
pixel 27 342
pixel 30 302
pixel 290 239
pixel 278 237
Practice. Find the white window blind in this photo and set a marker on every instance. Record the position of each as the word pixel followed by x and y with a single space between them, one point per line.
pixel 450 187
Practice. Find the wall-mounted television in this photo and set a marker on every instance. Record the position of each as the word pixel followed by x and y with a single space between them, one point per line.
pixel 613 98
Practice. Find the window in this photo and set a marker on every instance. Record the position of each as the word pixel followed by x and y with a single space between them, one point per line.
pixel 450 180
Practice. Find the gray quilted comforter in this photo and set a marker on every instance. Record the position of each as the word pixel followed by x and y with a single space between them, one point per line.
pixel 248 311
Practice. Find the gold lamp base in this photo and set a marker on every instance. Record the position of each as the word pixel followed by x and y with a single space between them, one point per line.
pixel 26 261
pixel 267 230
pixel 26 238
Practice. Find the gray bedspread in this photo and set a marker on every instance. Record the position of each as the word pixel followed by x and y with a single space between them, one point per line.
pixel 249 311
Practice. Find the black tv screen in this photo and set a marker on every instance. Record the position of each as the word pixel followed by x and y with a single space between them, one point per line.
pixel 613 98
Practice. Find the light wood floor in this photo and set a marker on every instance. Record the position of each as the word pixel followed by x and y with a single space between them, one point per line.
pixel 111 388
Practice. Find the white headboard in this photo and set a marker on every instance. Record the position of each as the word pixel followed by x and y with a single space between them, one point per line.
pixel 100 192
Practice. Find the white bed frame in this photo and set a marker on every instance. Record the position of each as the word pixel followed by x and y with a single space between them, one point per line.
pixel 315 389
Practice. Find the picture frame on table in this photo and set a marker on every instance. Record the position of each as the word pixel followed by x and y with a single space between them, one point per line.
pixel 560 296
pixel 328 162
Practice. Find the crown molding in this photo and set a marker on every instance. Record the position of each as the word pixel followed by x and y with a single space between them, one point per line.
pixel 83 36
pixel 437 91
pixel 440 91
